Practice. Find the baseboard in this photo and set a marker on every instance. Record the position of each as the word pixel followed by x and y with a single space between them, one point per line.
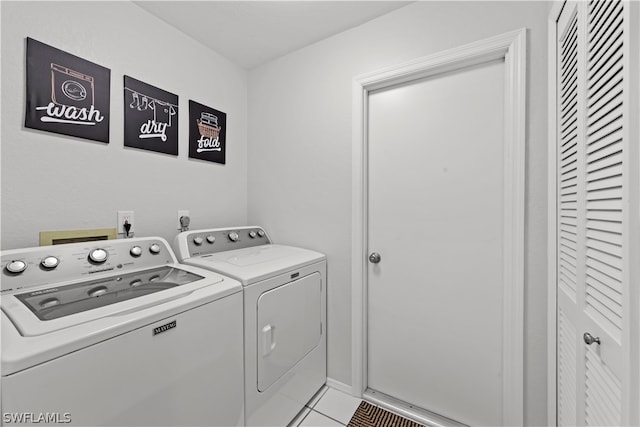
pixel 340 386
pixel 405 410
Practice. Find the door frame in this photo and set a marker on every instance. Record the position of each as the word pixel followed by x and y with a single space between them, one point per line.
pixel 511 47
pixel 552 206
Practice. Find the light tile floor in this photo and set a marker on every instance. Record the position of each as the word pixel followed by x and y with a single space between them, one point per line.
pixel 329 408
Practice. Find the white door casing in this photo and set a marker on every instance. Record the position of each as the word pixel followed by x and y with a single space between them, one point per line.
pixel 510 47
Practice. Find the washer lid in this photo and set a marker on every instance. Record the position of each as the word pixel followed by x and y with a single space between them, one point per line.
pixel 60 301
pixel 111 299
pixel 250 265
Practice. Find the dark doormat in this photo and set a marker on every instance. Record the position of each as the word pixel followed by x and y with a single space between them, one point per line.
pixel 368 415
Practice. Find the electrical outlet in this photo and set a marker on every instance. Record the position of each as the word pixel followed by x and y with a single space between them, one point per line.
pixel 122 217
pixel 182 213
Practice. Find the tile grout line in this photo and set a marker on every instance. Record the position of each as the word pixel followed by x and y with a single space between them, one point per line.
pixel 312 407
pixel 330 413
pixel 330 417
pixel 305 417
pixel 318 397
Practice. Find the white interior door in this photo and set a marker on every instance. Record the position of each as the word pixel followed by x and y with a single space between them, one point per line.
pixel 593 365
pixel 436 211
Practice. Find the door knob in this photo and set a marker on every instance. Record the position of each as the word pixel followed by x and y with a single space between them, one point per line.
pixel 374 258
pixel 590 339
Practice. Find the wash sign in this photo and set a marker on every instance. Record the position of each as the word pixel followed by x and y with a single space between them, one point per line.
pixel 66 94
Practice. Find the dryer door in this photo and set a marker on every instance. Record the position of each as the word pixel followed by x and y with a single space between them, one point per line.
pixel 289 327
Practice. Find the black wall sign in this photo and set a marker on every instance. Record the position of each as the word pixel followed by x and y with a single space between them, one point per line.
pixel 150 117
pixel 207 133
pixel 66 94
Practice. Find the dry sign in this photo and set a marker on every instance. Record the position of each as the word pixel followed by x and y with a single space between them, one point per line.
pixel 150 117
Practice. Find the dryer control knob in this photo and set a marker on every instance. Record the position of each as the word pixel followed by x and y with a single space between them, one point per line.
pixel 49 262
pixel 211 238
pixel 98 255
pixel 260 233
pixel 135 251
pixel 252 234
pixel 16 266
pixel 198 240
pixel 233 236
pixel 154 248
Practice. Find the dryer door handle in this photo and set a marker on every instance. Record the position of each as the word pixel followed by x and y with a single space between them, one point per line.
pixel 268 339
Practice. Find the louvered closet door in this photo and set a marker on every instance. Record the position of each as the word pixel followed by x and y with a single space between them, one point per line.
pixel 569 135
pixel 593 285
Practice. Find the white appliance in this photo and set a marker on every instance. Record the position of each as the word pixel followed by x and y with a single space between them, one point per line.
pixel 116 332
pixel 284 315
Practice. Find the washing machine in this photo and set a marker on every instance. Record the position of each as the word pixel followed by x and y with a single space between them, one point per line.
pixel 118 333
pixel 285 289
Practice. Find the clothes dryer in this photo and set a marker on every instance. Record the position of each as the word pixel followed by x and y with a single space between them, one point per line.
pixel 284 315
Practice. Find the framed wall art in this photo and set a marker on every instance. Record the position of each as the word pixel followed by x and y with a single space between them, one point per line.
pixel 66 94
pixel 207 133
pixel 150 117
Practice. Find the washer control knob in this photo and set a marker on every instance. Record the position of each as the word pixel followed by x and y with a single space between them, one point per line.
pixel 211 238
pixel 260 233
pixel 198 240
pixel 253 234
pixel 233 236
pixel 16 266
pixel 135 251
pixel 97 291
pixel 154 248
pixel 49 302
pixel 98 255
pixel 49 262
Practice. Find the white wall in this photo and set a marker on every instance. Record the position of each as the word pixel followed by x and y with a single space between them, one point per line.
pixel 53 182
pixel 300 151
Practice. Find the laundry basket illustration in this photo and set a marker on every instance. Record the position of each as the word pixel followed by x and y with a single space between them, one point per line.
pixel 208 126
